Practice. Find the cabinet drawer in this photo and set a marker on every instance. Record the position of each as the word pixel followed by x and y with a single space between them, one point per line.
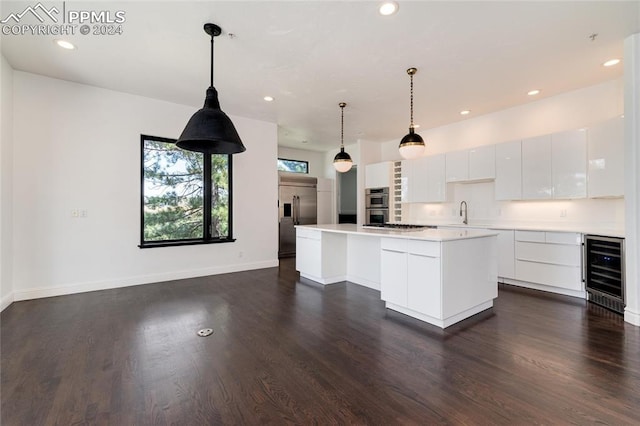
pixel 558 254
pixel 311 234
pixel 568 277
pixel 424 248
pixel 533 236
pixel 563 238
pixel 394 244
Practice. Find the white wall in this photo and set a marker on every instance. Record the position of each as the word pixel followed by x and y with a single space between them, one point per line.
pixel 78 147
pixel 632 176
pixel 6 193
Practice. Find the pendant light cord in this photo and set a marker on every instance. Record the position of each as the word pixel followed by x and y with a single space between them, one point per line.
pixel 342 127
pixel 211 85
pixel 411 76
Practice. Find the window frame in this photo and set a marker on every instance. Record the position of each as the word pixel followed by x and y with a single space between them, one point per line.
pixel 207 198
pixel 297 161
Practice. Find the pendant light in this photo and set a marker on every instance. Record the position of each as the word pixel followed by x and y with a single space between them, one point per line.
pixel 210 130
pixel 342 161
pixel 412 145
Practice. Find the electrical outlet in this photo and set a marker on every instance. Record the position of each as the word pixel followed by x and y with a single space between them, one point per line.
pixel 563 213
pixel 240 254
pixel 83 213
pixel 74 213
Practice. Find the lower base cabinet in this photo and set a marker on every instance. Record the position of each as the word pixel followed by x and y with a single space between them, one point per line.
pixel 550 259
pixel 424 279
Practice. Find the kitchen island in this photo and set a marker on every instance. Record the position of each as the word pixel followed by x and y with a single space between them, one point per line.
pixel 437 276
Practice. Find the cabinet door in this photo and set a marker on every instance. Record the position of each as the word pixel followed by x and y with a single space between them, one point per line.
pixel 537 182
pixel 420 180
pixel 508 185
pixel 424 289
pixel 436 179
pixel 309 256
pixel 379 175
pixel 393 277
pixel 457 166
pixel 605 152
pixel 569 164
pixel 482 163
pixel 506 254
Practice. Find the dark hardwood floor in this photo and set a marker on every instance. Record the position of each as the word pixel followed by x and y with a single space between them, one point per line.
pixel 288 351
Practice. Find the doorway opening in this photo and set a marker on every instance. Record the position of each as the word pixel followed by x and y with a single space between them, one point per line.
pixel 347 196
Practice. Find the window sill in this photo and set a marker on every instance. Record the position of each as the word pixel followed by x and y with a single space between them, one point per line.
pixel 183 243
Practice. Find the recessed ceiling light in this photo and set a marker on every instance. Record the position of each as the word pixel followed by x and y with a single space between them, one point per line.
pixel 388 8
pixel 465 112
pixel 268 98
pixel 611 62
pixel 533 92
pixel 65 44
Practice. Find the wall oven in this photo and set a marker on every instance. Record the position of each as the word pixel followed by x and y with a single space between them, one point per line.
pixel 377 205
pixel 604 271
pixel 377 216
pixel 377 198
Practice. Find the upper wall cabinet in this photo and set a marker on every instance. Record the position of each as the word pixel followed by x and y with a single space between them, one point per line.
pixel 379 175
pixel 457 166
pixel 569 164
pixel 482 163
pixel 471 165
pixel 508 184
pixel 537 183
pixel 423 180
pixel 605 153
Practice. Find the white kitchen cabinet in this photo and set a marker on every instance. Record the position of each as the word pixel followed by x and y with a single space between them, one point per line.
pixel 506 253
pixel 321 256
pixel 379 175
pixel 482 163
pixel 508 184
pixel 424 288
pixel 424 279
pixel 423 180
pixel 436 179
pixel 550 260
pixel 569 164
pixel 393 271
pixel 605 153
pixel 418 180
pixel 457 166
pixel 537 182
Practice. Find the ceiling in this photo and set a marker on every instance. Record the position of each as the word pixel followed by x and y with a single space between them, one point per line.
pixel 311 55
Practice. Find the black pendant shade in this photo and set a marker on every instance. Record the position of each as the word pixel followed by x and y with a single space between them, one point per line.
pixel 342 156
pixel 411 138
pixel 210 130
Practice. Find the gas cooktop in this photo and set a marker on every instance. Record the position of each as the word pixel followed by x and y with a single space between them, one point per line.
pixel 398 226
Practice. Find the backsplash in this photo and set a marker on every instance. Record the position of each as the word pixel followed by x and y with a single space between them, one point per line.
pixel 484 209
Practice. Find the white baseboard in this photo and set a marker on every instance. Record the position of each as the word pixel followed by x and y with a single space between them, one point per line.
pixel 6 301
pixel 38 293
pixel 364 282
pixel 632 317
pixel 558 290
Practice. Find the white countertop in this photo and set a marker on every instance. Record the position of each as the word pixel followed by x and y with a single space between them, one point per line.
pixel 423 234
pixel 551 227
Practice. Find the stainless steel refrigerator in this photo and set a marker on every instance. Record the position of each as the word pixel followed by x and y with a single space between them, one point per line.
pixel 297 205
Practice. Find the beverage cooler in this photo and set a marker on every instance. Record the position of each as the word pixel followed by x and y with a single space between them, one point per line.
pixel 604 271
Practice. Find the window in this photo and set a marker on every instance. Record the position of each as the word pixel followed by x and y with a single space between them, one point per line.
pixel 293 166
pixel 186 196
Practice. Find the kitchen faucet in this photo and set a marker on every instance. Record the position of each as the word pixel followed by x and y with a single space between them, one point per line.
pixel 465 221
